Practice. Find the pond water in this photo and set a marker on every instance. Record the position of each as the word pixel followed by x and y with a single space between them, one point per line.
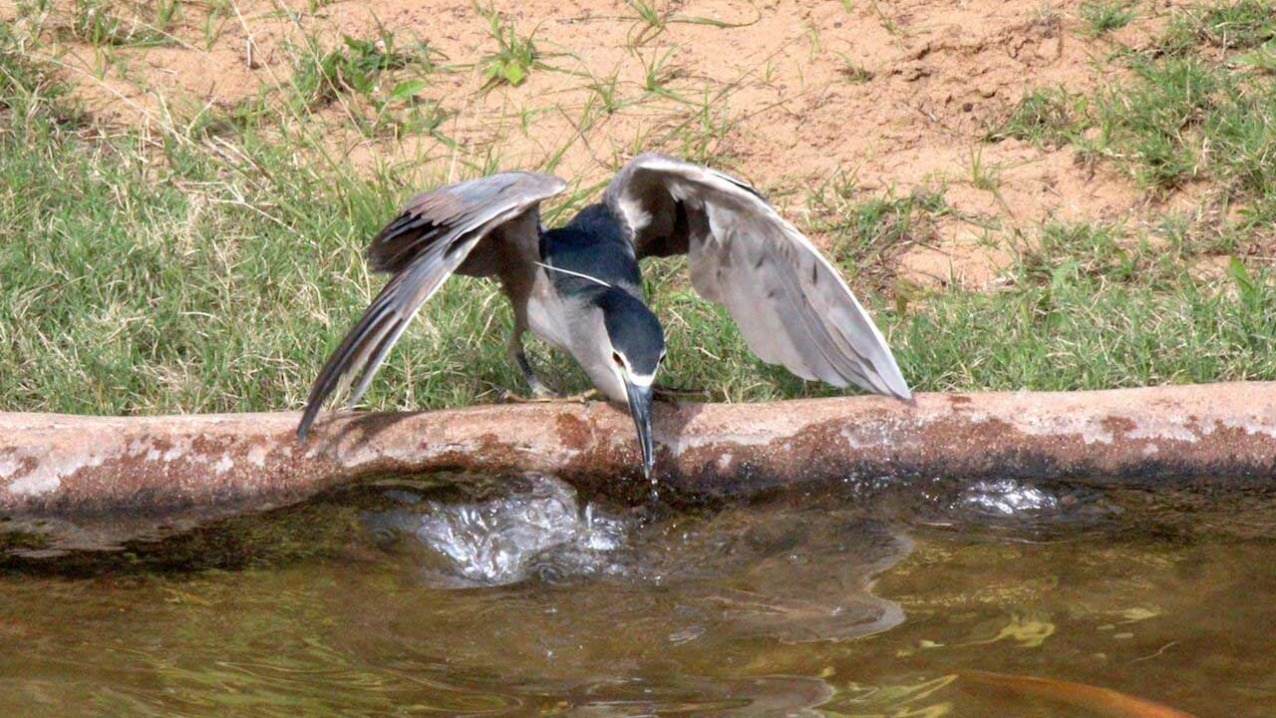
pixel 454 596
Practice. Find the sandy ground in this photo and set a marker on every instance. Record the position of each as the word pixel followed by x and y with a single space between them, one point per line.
pixel 875 97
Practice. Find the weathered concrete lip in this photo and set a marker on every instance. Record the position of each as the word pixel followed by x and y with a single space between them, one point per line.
pixel 65 466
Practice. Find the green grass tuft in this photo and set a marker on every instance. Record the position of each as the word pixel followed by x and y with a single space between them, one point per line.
pixel 1186 119
pixel 1104 17
pixel 515 57
pixel 1243 25
pixel 865 235
pixel 1044 117
pixel 357 67
pixel 1185 115
pixel 98 23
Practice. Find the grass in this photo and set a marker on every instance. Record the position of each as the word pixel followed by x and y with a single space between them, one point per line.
pixel 1186 119
pixel 99 24
pixel 1104 17
pixel 24 84
pixel 1045 117
pixel 651 20
pixel 854 72
pixel 193 287
pixel 1076 332
pixel 357 68
pixel 515 57
pixel 1197 107
pixel 1243 25
pixel 658 74
pixel 867 233
pixel 1202 106
pixel 380 79
pixel 213 268
pixel 983 175
pixel 605 97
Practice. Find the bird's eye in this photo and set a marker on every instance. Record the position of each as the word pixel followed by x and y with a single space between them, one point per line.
pixel 615 356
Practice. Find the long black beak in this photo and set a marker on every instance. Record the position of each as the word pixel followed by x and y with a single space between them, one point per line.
pixel 640 407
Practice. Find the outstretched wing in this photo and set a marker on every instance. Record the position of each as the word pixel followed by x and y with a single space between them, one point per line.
pixel 792 306
pixel 430 239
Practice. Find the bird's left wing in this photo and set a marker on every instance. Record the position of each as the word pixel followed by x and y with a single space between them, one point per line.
pixel 429 240
pixel 793 308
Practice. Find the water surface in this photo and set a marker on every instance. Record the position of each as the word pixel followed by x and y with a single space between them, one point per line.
pixel 510 598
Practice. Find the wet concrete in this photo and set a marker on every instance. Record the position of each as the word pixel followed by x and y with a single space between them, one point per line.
pixel 57 466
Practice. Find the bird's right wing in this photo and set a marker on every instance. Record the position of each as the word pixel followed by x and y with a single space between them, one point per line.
pixel 791 305
pixel 423 246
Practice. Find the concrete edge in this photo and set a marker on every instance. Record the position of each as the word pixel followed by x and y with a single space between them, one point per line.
pixel 59 465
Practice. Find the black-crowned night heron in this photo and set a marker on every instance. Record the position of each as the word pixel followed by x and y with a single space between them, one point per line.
pixel 578 287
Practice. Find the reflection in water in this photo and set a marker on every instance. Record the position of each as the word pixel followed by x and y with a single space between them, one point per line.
pixel 760 697
pixel 919 698
pixel 799 576
pixel 634 618
pixel 510 598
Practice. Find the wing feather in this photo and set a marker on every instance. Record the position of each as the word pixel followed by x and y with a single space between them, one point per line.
pixel 792 306
pixel 423 246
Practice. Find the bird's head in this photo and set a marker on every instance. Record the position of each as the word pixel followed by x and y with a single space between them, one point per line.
pixel 635 347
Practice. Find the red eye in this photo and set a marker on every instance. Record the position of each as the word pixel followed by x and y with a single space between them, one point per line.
pixel 616 358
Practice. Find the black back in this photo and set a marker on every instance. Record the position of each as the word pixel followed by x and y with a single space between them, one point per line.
pixel 592 244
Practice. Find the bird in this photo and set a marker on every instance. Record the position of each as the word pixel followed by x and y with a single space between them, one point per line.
pixel 578 287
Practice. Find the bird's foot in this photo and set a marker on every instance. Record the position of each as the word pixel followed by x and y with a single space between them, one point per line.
pixel 514 397
pixel 545 396
pixel 674 396
pixel 540 390
pixel 662 391
pixel 584 397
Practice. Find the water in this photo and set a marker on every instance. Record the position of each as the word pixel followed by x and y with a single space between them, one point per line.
pixel 511 598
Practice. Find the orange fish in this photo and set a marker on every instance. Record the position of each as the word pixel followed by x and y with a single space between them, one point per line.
pixel 1103 701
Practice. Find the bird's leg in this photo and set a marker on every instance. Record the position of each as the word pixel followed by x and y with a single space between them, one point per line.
pixel 516 353
pixel 540 393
